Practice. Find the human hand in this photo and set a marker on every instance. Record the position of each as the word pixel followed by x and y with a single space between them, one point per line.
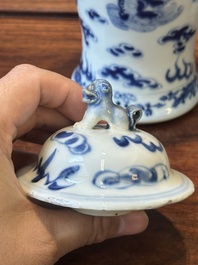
pixel 34 103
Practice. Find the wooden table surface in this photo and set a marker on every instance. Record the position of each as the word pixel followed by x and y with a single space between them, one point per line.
pixel 47 34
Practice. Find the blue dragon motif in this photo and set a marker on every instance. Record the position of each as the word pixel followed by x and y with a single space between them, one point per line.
pixel 143 15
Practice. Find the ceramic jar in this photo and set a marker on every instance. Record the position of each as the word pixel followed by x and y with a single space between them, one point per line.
pixel 145 48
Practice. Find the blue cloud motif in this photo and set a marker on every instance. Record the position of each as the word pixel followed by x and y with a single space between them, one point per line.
pixel 130 176
pixel 76 143
pixel 129 77
pixel 93 15
pixel 143 15
pixel 124 49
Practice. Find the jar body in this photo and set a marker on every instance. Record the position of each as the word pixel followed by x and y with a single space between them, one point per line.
pixel 145 49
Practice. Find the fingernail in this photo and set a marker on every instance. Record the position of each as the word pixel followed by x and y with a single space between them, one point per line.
pixel 133 223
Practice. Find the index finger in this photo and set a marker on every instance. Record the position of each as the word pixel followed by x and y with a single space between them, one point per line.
pixel 26 87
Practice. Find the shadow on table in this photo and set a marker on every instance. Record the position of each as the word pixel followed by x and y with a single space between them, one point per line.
pixel 160 244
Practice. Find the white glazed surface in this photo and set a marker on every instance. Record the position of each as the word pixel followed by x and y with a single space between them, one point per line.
pixel 146 53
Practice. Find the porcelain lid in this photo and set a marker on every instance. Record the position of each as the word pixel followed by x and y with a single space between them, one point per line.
pixel 104 169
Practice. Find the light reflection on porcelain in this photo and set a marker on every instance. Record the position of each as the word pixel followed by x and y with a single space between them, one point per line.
pixel 106 168
pixel 145 49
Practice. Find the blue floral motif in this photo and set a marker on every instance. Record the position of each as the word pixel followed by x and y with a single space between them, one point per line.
pixel 124 49
pixel 63 180
pixel 76 143
pixel 93 15
pixel 143 15
pixel 87 33
pixel 124 141
pixel 129 77
pixel 130 176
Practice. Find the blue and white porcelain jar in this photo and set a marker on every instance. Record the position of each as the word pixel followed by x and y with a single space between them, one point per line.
pixel 145 48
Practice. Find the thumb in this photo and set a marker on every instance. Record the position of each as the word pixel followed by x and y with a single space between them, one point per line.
pixel 72 230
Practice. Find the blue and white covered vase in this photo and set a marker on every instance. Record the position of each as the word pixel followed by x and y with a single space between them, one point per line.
pixel 145 49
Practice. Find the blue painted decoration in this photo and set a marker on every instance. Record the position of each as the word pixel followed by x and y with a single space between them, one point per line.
pixel 130 176
pixel 179 37
pixel 124 141
pixel 87 33
pixel 125 49
pixel 180 96
pixel 129 77
pixel 94 16
pixel 64 179
pixel 41 168
pixel 143 15
pixel 83 71
pixel 124 99
pixel 61 181
pixel 149 108
pixel 76 143
pixel 181 72
pixel 172 99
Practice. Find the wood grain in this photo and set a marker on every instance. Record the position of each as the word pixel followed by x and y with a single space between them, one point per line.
pixel 50 6
pixel 47 34
pixel 51 42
